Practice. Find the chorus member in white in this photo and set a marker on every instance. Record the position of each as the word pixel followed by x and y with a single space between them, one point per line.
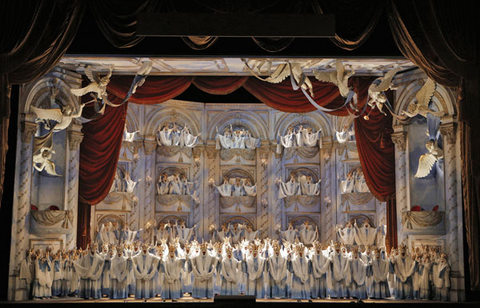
pixel 145 267
pixel 416 277
pixel 90 267
pixel 128 236
pixel 187 139
pixel 308 187
pixel 254 267
pixel 289 235
pixel 287 141
pixel 346 234
pixel 358 288
pixel 222 234
pixel 67 275
pixel 230 273
pixel 58 274
pixel 119 269
pixel 164 232
pixel 381 235
pixel 290 188
pixel 187 271
pixel 164 136
pixel 249 189
pixel 425 274
pixel 237 188
pixel 320 265
pixel 176 185
pixel 225 190
pixel 347 186
pixel 365 235
pixel 106 254
pixel 42 283
pixel 378 269
pixel 307 233
pixel 441 279
pixel 299 136
pixel 277 269
pixel 27 270
pixel 183 233
pixel 340 273
pixel 172 270
pixel 250 141
pixel 360 184
pixel 175 135
pixel 236 233
pixel 403 266
pixel 163 185
pixel 187 186
pixel 301 270
pixel 250 235
pixel 203 267
pixel 224 141
pixel 310 138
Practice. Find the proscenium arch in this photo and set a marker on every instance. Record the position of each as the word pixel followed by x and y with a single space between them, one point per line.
pixel 316 119
pixel 250 120
pixel 163 115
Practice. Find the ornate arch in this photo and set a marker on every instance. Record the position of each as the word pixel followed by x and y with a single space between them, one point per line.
pixel 168 115
pixel 317 120
pixel 112 218
pixel 41 91
pixel 303 171
pixel 240 219
pixel 168 218
pixel 297 220
pixel 251 121
pixel 239 173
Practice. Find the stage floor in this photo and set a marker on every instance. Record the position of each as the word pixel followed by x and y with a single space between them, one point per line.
pixel 192 302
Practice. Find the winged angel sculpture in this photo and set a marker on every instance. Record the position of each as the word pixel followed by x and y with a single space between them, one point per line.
pixel 423 97
pixel 339 77
pixel 98 85
pixel 428 160
pixel 376 91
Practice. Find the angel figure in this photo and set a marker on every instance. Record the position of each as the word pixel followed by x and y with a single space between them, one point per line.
pixel 42 161
pixel 423 97
pixel 63 117
pixel 97 84
pixel 225 190
pixel 428 160
pixel 376 91
pixel 139 79
pixel 130 184
pixel 345 134
pixel 338 78
pixel 187 139
pixel 294 70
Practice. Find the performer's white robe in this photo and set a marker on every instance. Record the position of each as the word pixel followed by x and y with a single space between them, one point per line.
pixel 307 234
pixel 236 235
pixel 119 269
pixel 310 188
pixel 188 140
pixel 27 273
pixel 238 142
pixel 320 266
pixel 361 185
pixel 165 137
pixel 237 190
pixel 367 257
pixel 250 236
pixel 67 278
pixel 403 269
pixel 225 190
pixel 347 235
pixel 175 187
pixel 378 270
pixel 184 234
pixel 347 186
pixel 250 142
pixel 42 284
pixel 289 235
pixel 255 268
pixel 250 190
pixel 105 278
pixel 286 141
pixel 425 274
pixel 230 273
pixel 365 236
pixel 90 268
pixel 172 270
pixel 311 139
pixel 358 288
pixel 301 270
pixel 203 267
pixel 58 274
pixel 131 275
pixel 176 135
pixel 441 281
pixel 340 275
pixel 277 269
pixel 163 187
pixel 288 189
pixel 129 236
pixel 226 141
pixel 144 269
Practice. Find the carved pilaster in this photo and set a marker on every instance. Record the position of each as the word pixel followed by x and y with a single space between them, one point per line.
pixel 149 146
pixel 400 140
pixel 28 131
pixel 74 140
pixel 211 152
pixel 448 132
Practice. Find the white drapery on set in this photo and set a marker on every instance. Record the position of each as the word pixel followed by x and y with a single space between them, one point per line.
pixel 421 218
pixel 53 217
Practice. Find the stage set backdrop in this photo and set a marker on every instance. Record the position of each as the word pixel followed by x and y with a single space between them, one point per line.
pixel 111 166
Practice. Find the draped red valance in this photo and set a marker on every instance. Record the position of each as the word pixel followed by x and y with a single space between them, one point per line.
pixel 103 136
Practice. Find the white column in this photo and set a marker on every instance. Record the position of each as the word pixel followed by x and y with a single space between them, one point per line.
pixel 454 245
pixel 401 173
pixel 75 137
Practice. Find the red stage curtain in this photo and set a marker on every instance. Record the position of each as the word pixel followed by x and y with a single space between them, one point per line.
pixel 99 152
pixel 219 85
pixel 376 153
